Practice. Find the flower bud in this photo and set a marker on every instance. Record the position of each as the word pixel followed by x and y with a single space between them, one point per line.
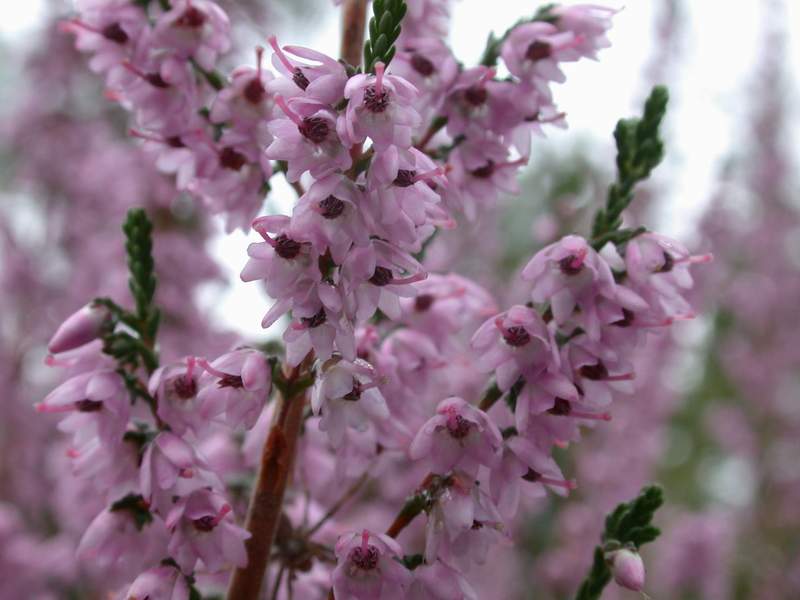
pixel 80 328
pixel 628 569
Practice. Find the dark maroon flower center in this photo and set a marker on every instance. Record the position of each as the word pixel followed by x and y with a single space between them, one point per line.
pixel 561 407
pixel 156 80
pixel 254 91
pixel 516 336
pixel 184 387
pixel 422 65
pixel 532 475
pixel 175 141
pixel 232 159
pixel 354 394
pixel 231 381
pixel 538 50
pixel 206 523
pixel 191 17
pixel 315 129
pixel 115 33
pixel 286 247
pixel 594 372
pixel 382 276
pixel 570 265
pixel 299 78
pixel 485 171
pixel 315 321
pixel 476 525
pixel 423 302
pixel 626 320
pixel 405 177
pixel 669 262
pixel 88 405
pixel 365 559
pixel 476 95
pixel 374 101
pixel 331 207
pixel 459 427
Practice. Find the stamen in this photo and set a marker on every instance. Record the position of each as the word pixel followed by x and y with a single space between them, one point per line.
pixel 379 69
pixel 296 119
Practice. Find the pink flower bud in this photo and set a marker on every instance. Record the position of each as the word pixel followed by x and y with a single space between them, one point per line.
pixel 80 328
pixel 628 569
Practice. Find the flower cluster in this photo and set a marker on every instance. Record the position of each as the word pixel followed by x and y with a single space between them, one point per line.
pixel 405 367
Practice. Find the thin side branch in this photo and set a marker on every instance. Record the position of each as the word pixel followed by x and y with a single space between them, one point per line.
pixel 353 27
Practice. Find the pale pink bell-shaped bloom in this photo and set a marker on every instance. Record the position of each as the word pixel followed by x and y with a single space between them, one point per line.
pixel 202 529
pixel 628 569
pixel 121 540
pixel 170 468
pixel 109 29
pixel 322 82
pixel 462 524
pixel 236 384
pixel 98 404
pixel 347 395
pixel 377 276
pixel 323 332
pixel 79 328
pixel 589 23
pixel 515 343
pixel 380 107
pixel 429 65
pixel 306 139
pixel 459 436
pixel 174 387
pixel 329 215
pixel 367 568
pixel 404 205
pixel 533 50
pixel 197 29
pixel 159 583
pixel 440 581
pixel 570 274
pixel 245 100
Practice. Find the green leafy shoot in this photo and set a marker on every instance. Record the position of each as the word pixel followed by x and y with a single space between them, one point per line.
pixel 384 28
pixel 628 525
pixel 639 150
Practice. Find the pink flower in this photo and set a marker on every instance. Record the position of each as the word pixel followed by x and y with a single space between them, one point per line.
pixel 237 384
pixel 533 50
pixel 98 404
pixel 79 328
pixel 403 205
pixel 459 436
pixel 244 102
pixel 515 343
pixel 306 139
pixel 569 274
pixel 202 530
pixel 321 331
pixel 170 468
pixel 525 462
pixel 174 388
pixel 440 581
pixel 109 29
pixel 377 276
pixel 124 538
pixel 346 393
pixel 589 23
pixel 462 524
pixel 380 107
pixel 329 214
pixel 368 569
pixel 628 569
pixel 323 82
pixel 196 29
pixel 159 583
pixel 429 65
pixel 657 269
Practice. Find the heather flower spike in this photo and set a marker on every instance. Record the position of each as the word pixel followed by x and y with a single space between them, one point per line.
pixel 390 386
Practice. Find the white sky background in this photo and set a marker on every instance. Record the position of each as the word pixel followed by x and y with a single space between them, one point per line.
pixel 711 89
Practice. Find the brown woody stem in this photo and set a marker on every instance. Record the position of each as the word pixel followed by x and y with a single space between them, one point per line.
pixel 266 502
pixel 354 24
